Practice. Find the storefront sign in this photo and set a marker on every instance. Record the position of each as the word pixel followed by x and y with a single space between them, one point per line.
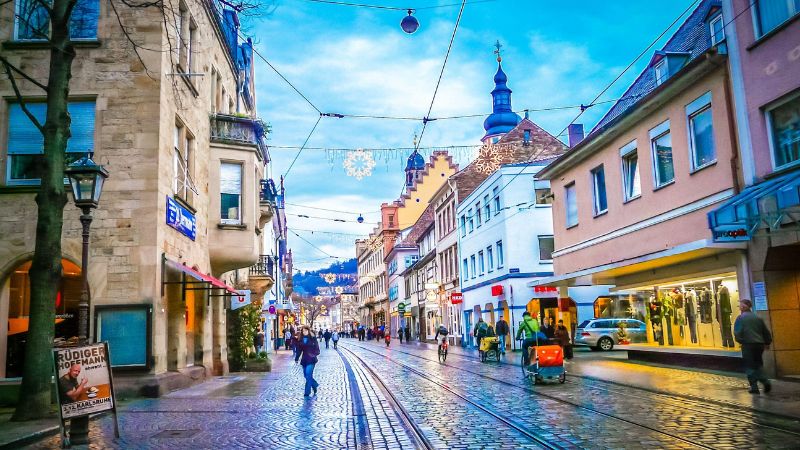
pixel 545 289
pixel 456 298
pixel 760 296
pixel 181 218
pixel 83 379
pixel 730 233
pixel 401 308
pixel 243 299
pixel 497 290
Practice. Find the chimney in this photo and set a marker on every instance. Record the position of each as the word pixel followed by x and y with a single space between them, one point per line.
pixel 575 132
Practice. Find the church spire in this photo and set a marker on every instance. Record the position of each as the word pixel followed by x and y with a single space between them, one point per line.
pixel 503 119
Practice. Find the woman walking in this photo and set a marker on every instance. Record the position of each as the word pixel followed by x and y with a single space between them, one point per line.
pixel 307 352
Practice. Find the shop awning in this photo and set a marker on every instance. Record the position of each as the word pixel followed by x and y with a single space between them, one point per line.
pixel 203 281
pixel 771 205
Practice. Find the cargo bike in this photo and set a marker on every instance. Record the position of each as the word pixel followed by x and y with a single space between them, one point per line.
pixel 545 362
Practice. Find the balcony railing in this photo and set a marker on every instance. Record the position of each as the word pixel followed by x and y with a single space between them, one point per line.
pixel 237 130
pixel 265 267
pixel 268 192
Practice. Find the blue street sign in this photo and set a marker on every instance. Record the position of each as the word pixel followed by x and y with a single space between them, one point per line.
pixel 181 218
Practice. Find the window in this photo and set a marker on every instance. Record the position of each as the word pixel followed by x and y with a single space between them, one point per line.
pixel 487 208
pixel 481 266
pixel 717 30
pixel 465 270
pixel 571 203
pixel 784 124
pixel 463 226
pixel 660 70
pixel 490 258
pixel 661 145
pixel 183 164
pixel 496 193
pixel 183 35
pixel 499 246
pixel 541 192
pixel 471 221
pixel 631 182
pixel 772 13
pixel 230 188
pixel 191 42
pixel 33 21
pixel 472 267
pixel 26 143
pixel 526 137
pixel 546 248
pixel 701 132
pixel 478 213
pixel 599 190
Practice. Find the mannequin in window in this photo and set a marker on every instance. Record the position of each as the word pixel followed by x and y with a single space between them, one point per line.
pixel 654 309
pixel 706 305
pixel 724 308
pixel 668 307
pixel 680 313
pixel 691 314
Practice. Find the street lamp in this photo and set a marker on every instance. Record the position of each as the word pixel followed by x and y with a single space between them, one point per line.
pixel 86 179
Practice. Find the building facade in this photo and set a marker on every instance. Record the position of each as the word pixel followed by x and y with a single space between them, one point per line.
pixel 178 133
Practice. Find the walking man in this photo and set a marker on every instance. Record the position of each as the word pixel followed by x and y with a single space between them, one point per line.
pixel 501 328
pixel 327 335
pixel 400 334
pixel 751 331
pixel 335 339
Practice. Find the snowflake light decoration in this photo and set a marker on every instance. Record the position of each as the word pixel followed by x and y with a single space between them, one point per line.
pixel 491 156
pixel 359 164
pixel 318 298
pixel 329 278
pixel 339 290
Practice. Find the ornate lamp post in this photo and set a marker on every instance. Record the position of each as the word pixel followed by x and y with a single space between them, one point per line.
pixel 86 179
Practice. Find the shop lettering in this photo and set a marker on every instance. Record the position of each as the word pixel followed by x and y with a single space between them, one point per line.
pixel 741 232
pixel 84 357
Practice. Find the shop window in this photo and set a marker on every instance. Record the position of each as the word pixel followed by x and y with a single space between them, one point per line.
pixel 631 181
pixel 546 248
pixel 784 124
pixel 701 132
pixel 661 146
pixel 571 203
pixel 26 142
pixel 599 190
pixel 32 21
pixel 771 14
pixel 230 188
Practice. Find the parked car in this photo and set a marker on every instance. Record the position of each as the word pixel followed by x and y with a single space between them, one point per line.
pixel 603 334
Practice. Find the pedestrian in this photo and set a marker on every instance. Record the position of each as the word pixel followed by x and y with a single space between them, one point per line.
pixel 563 338
pixel 754 336
pixel 258 340
pixel 308 350
pixel 287 337
pixel 369 334
pixel 296 341
pixel 335 339
pixel 480 331
pixel 408 334
pixel 501 328
pixel 320 334
pixel 549 328
pixel 327 335
pixel 400 334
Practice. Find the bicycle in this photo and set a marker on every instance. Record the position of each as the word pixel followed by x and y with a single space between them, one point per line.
pixel 443 351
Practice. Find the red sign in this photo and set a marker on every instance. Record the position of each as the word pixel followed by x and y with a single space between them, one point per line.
pixel 456 298
pixel 544 289
pixel 497 290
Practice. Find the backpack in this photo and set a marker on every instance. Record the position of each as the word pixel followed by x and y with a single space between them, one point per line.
pixel 482 329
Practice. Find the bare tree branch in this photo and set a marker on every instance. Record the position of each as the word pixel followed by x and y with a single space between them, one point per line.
pixel 8 65
pixel 19 96
pixel 136 46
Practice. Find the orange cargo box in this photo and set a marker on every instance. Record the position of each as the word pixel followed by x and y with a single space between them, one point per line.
pixel 548 355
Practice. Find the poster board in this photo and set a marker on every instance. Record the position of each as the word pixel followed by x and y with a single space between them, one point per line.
pixel 83 380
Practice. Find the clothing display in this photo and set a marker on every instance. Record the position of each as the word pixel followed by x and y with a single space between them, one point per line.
pixel 691 314
pixel 724 302
pixel 655 319
pixel 706 306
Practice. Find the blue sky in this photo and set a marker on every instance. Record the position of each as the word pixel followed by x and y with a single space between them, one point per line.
pixel 358 61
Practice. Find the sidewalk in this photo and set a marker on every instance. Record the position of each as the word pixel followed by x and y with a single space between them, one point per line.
pixel 715 386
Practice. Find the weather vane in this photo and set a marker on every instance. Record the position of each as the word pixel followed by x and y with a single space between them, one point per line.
pixel 498 46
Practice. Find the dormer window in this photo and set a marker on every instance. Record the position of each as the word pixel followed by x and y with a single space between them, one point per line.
pixel 526 137
pixel 717 29
pixel 660 70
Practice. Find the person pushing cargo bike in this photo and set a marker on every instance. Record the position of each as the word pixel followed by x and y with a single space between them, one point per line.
pixel 540 360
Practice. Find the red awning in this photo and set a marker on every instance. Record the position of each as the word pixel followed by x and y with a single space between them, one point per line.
pixel 215 282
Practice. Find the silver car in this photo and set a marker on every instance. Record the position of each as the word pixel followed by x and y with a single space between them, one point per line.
pixel 603 334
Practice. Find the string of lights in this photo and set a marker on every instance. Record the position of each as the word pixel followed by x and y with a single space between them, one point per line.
pixel 392 8
pixel 330 232
pixel 329 210
pixel 332 219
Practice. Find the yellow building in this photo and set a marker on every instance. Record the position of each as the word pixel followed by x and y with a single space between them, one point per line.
pixel 422 181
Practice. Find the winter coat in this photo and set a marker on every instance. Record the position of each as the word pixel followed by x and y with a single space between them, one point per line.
pixel 480 329
pixel 562 336
pixel 529 326
pixel 327 335
pixel 501 328
pixel 307 350
pixel 751 329
pixel 335 336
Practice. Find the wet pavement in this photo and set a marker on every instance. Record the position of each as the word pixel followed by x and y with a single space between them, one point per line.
pixel 402 397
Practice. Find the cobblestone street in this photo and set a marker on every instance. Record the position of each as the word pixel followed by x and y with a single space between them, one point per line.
pixel 402 397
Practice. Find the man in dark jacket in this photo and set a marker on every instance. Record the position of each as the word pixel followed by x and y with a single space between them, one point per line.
pixel 501 328
pixel 751 331
pixel 327 335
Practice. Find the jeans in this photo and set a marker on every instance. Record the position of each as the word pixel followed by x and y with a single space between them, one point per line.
pixel 753 362
pixel 311 383
pixel 335 344
pixel 502 343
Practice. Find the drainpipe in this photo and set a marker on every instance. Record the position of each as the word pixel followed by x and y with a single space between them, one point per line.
pixel 729 106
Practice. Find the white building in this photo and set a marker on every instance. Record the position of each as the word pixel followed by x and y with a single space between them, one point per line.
pixel 402 256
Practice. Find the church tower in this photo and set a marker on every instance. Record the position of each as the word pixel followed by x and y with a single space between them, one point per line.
pixel 503 119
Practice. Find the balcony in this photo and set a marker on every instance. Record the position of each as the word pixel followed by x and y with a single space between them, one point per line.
pixel 262 275
pixel 267 202
pixel 235 130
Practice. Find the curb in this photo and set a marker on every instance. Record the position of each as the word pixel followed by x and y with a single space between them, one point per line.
pixel 30 438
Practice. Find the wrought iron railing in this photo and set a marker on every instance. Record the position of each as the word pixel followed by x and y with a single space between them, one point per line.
pixel 268 192
pixel 238 130
pixel 265 267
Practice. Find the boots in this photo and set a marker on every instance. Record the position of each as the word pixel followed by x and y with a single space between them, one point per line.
pixel 767 385
pixel 753 387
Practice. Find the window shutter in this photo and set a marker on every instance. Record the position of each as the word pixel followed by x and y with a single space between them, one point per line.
pixel 81 127
pixel 23 136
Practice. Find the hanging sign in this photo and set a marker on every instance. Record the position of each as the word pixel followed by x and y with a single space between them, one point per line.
pixel 497 290
pixel 181 218
pixel 401 308
pixel 456 298
pixel 84 380
pixel 243 299
pixel 272 310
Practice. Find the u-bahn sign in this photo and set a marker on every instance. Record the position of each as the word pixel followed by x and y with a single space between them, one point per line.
pixel 401 308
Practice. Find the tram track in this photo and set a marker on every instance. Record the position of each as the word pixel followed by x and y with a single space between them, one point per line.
pixel 573 404
pixel 703 406
pixel 417 431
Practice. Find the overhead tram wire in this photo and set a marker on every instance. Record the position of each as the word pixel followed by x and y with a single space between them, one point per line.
pixel 305 216
pixel 317 248
pixel 329 210
pixel 391 8
pixel 286 174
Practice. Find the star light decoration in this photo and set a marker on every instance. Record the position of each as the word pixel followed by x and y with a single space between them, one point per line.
pixel 339 290
pixel 329 278
pixel 491 157
pixel 359 164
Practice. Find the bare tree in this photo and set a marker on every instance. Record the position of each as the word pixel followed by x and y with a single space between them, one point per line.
pixel 313 307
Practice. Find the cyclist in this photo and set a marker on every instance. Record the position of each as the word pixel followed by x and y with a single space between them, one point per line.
pixel 530 327
pixel 441 331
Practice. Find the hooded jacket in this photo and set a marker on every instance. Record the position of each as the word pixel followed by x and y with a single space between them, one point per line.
pixel 529 326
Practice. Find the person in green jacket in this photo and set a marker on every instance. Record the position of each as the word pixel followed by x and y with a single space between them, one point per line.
pixel 530 328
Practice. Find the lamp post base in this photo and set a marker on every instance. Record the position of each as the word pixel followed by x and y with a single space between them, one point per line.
pixel 79 430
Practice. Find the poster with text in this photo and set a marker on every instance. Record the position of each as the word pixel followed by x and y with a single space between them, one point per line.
pixel 83 380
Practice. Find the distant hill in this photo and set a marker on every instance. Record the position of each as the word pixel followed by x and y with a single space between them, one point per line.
pixel 307 283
